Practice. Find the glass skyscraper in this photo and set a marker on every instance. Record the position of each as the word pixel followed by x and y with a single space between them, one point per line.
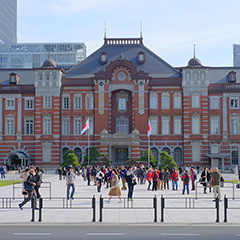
pixel 8 21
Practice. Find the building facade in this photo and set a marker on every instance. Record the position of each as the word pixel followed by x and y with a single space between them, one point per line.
pixel 194 110
pixel 32 55
pixel 8 21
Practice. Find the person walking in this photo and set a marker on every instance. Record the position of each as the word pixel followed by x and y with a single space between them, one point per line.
pixel 64 173
pixel 29 187
pixel 161 179
pixel 123 175
pixel 149 178
pixel 24 175
pixel 88 175
pixel 167 178
pixel 109 178
pixel 174 178
pixel 115 188
pixel 131 180
pixel 99 179
pixel 185 177
pixel 193 178
pixel 70 178
pixel 38 181
pixel 204 179
pixel 215 182
pixel 60 173
pixel 2 171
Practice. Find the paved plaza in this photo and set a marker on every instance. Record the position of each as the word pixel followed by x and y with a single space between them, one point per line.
pixel 115 212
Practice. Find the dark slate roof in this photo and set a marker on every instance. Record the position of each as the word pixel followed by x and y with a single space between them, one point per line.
pixel 116 47
pixel 27 76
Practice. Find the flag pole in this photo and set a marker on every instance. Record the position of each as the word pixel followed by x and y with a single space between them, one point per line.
pixel 88 147
pixel 148 150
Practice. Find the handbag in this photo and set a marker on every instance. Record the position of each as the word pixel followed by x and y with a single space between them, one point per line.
pixel 28 187
pixel 134 182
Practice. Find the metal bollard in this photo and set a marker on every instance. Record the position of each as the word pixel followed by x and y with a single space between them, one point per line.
pixel 217 207
pixel 33 209
pixel 94 208
pixel 155 208
pixel 101 208
pixel 40 209
pixel 225 208
pixel 162 208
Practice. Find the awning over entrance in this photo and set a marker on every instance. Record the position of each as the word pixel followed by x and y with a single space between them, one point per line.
pixel 217 159
pixel 18 158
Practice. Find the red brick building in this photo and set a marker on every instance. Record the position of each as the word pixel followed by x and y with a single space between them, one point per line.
pixel 194 110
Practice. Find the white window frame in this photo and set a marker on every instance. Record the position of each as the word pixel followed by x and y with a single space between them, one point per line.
pixel 234 148
pixel 91 125
pixel 47 102
pixel 77 101
pixel 10 104
pixel 77 125
pixel 234 124
pixel 177 101
pixel 89 101
pixel 122 104
pixel 10 126
pixel 165 101
pixel 195 101
pixel 29 103
pixel 65 101
pixel 214 124
pixel 65 126
pixel 153 101
pixel 124 126
pixel 214 102
pixel 154 125
pixel 195 124
pixel 177 125
pixel 47 125
pixel 29 130
pixel 235 105
pixel 165 125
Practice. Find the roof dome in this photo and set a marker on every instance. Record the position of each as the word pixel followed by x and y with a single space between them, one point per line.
pixel 194 62
pixel 49 63
pixel 135 132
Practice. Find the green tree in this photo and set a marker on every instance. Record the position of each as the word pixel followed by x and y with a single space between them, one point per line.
pixel 71 159
pixel 106 161
pixel 66 154
pixel 94 155
pixel 144 158
pixel 130 161
pixel 166 161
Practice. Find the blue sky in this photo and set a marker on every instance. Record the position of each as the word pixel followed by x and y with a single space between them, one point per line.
pixel 170 27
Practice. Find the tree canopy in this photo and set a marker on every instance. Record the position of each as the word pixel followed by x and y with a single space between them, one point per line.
pixel 166 161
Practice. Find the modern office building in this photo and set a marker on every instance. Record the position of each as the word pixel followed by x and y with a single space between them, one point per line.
pixel 8 21
pixel 32 55
pixel 194 110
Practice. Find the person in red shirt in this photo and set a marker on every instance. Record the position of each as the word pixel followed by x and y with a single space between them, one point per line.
pixel 185 177
pixel 149 178
pixel 174 178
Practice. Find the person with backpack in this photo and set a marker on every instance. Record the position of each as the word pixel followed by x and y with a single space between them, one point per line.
pixel 185 177
pixel 155 178
pixel 193 178
pixel 174 178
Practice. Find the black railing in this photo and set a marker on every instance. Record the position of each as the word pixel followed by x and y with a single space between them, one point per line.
pixel 188 203
pixel 226 206
pixel 129 204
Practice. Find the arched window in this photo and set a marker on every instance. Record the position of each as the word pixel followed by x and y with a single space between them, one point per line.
pixel 78 153
pixel 166 150
pixel 64 150
pixel 177 156
pixel 165 101
pixel 155 153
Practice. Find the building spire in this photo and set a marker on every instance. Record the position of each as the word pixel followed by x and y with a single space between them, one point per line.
pixel 141 29
pixel 194 46
pixel 105 29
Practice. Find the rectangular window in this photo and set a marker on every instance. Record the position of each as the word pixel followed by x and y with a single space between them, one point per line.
pixel 47 102
pixel 10 127
pixel 65 126
pixel 89 101
pixel 77 102
pixel 215 125
pixel 77 126
pixel 153 101
pixel 154 126
pixel 165 125
pixel 10 104
pixel 122 104
pixel 165 102
pixel 91 126
pixel 234 155
pixel 177 102
pixel 122 126
pixel 195 101
pixel 66 102
pixel 196 152
pixel 29 104
pixel 234 125
pixel 47 126
pixel 177 125
pixel 195 125
pixel 214 103
pixel 234 103
pixel 29 126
